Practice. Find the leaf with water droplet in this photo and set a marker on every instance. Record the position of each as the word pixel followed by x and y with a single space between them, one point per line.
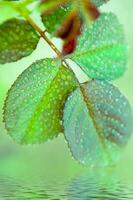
pixel 53 19
pixel 101 51
pixel 98 122
pixel 34 105
pixel 17 40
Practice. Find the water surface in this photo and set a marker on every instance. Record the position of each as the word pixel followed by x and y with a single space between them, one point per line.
pixel 101 185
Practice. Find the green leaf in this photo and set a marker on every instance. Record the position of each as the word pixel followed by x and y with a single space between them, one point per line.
pixel 101 51
pixel 54 19
pixel 17 40
pixel 98 122
pixel 34 105
pixel 99 2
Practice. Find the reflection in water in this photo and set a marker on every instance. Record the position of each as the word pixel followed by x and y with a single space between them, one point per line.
pixel 99 186
pixel 13 190
pixel 87 186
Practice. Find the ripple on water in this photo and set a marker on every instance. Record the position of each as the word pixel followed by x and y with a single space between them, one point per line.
pixel 86 186
pixel 12 189
pixel 99 187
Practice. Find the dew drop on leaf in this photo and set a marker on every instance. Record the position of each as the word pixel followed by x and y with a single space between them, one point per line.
pixel 98 122
pixel 101 49
pixel 18 39
pixel 34 104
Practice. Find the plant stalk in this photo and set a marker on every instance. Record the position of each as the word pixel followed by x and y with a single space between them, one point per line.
pixel 43 35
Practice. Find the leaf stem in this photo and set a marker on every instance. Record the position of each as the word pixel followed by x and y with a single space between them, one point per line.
pixel 43 35
pixel 25 13
pixel 41 32
pixel 53 47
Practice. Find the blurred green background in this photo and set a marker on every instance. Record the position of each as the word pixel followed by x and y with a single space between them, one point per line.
pixel 53 160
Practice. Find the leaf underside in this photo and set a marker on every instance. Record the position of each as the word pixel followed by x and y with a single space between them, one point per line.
pixel 34 105
pixel 97 123
pixel 18 39
pixel 101 50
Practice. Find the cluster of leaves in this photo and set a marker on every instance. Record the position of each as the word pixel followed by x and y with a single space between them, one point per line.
pixel 47 99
